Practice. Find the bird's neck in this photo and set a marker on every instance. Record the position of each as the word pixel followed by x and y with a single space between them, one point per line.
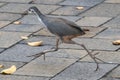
pixel 39 15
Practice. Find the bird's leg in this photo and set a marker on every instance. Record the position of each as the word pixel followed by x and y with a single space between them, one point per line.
pixel 93 57
pixel 46 51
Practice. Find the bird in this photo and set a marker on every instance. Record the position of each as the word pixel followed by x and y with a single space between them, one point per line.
pixel 63 29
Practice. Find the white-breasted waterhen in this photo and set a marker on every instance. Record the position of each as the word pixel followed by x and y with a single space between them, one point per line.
pixel 63 29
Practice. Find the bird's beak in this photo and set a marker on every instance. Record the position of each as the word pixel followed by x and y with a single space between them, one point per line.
pixel 29 11
pixel 25 13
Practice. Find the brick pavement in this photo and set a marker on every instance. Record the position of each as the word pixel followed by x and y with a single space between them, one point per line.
pixel 102 17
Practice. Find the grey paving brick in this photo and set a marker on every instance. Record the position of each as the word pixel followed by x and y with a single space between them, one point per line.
pixel 114 23
pixel 46 40
pixel 81 2
pixel 10 38
pixel 94 44
pixel 9 16
pixel 4 23
pixel 1 4
pixel 47 1
pixel 19 77
pixel 31 19
pixel 68 53
pixel 103 10
pixel 115 73
pixel 92 31
pixel 109 34
pixel 20 8
pixel 84 71
pixel 68 10
pixel 18 1
pixel 69 46
pixel 20 52
pixel 49 67
pixel 1 50
pixel 43 32
pixel 70 18
pixel 23 28
pixel 107 56
pixel 92 21
pixel 109 78
pixel 9 64
pixel 112 1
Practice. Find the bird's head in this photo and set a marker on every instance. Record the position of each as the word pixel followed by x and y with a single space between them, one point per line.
pixel 32 9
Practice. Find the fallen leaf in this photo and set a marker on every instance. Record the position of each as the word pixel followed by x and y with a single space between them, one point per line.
pixel 38 43
pixel 80 8
pixel 17 22
pixel 1 66
pixel 116 42
pixel 24 37
pixel 10 70
pixel 85 29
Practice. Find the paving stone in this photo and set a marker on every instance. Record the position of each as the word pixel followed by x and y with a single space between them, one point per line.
pixel 23 28
pixel 43 32
pixel 18 1
pixel 47 1
pixel 81 2
pixel 46 40
pixel 1 50
pixel 69 46
pixel 103 10
pixel 94 44
pixel 20 8
pixel 112 1
pixel 68 53
pixel 92 31
pixel 109 78
pixel 20 52
pixel 109 34
pixel 1 4
pixel 70 18
pixel 31 19
pixel 49 67
pixel 4 23
pixel 9 64
pixel 14 77
pixel 9 16
pixel 107 56
pixel 92 21
pixel 115 73
pixel 114 23
pixel 84 71
pixel 10 38
pixel 68 10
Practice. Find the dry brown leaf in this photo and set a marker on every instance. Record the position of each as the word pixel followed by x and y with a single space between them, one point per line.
pixel 116 42
pixel 1 66
pixel 10 70
pixel 24 37
pixel 17 22
pixel 37 43
pixel 80 8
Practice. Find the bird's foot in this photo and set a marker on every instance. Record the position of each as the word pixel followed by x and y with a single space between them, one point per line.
pixel 37 55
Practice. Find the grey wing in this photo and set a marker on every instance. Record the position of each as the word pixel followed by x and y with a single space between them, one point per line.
pixel 63 27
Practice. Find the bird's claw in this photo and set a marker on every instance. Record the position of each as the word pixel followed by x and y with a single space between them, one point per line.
pixel 37 55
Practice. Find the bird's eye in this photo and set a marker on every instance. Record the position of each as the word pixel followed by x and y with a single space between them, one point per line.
pixel 31 11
